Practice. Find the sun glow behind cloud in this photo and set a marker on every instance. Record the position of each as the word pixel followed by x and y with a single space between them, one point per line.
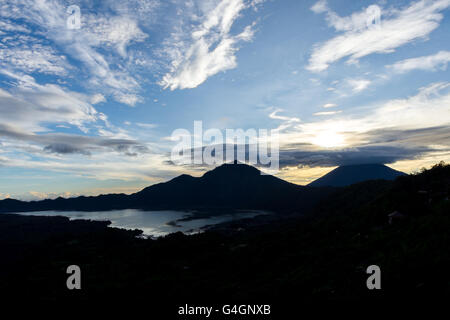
pixel 329 139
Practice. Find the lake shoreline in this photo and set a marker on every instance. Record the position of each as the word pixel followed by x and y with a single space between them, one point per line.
pixel 155 223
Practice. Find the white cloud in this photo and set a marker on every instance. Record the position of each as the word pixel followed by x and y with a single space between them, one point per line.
pixel 427 63
pixel 208 49
pixel 129 99
pixel 397 28
pixel 97 98
pixel 287 122
pixel 358 85
pixel 117 31
pixel 355 22
pixel 7 25
pixel 29 109
pixel 254 4
pixel 26 54
pixel 107 72
pixel 327 113
pixel 147 125
pixel 329 105
pixel 275 115
pixel 426 109
pixel 100 31
pixel 107 44
pixel 29 105
pixel 143 11
pixel 320 6
pixel 69 144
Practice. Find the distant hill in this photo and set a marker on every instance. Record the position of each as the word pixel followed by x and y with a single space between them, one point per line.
pixel 229 186
pixel 347 175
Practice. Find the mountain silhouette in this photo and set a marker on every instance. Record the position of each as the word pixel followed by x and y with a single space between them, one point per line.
pixel 350 174
pixel 229 186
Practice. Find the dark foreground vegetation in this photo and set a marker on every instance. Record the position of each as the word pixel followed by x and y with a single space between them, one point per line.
pixel 320 256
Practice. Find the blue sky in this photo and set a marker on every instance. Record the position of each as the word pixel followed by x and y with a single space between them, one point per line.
pixel 91 110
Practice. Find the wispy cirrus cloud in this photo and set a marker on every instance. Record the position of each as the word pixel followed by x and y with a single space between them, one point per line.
pixel 397 28
pixel 275 115
pixel 111 49
pixel 28 54
pixel 327 113
pixel 432 62
pixel 89 45
pixel 208 48
pixel 113 31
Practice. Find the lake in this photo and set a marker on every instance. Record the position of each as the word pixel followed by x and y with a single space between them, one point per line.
pixel 152 223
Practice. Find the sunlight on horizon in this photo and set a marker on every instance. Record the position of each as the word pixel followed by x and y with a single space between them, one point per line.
pixel 329 139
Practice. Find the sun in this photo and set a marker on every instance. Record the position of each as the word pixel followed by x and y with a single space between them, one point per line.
pixel 329 139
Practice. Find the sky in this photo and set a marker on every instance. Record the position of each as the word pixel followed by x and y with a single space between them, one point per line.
pixel 89 99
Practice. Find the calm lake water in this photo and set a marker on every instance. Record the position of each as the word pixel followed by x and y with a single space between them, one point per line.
pixel 152 223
